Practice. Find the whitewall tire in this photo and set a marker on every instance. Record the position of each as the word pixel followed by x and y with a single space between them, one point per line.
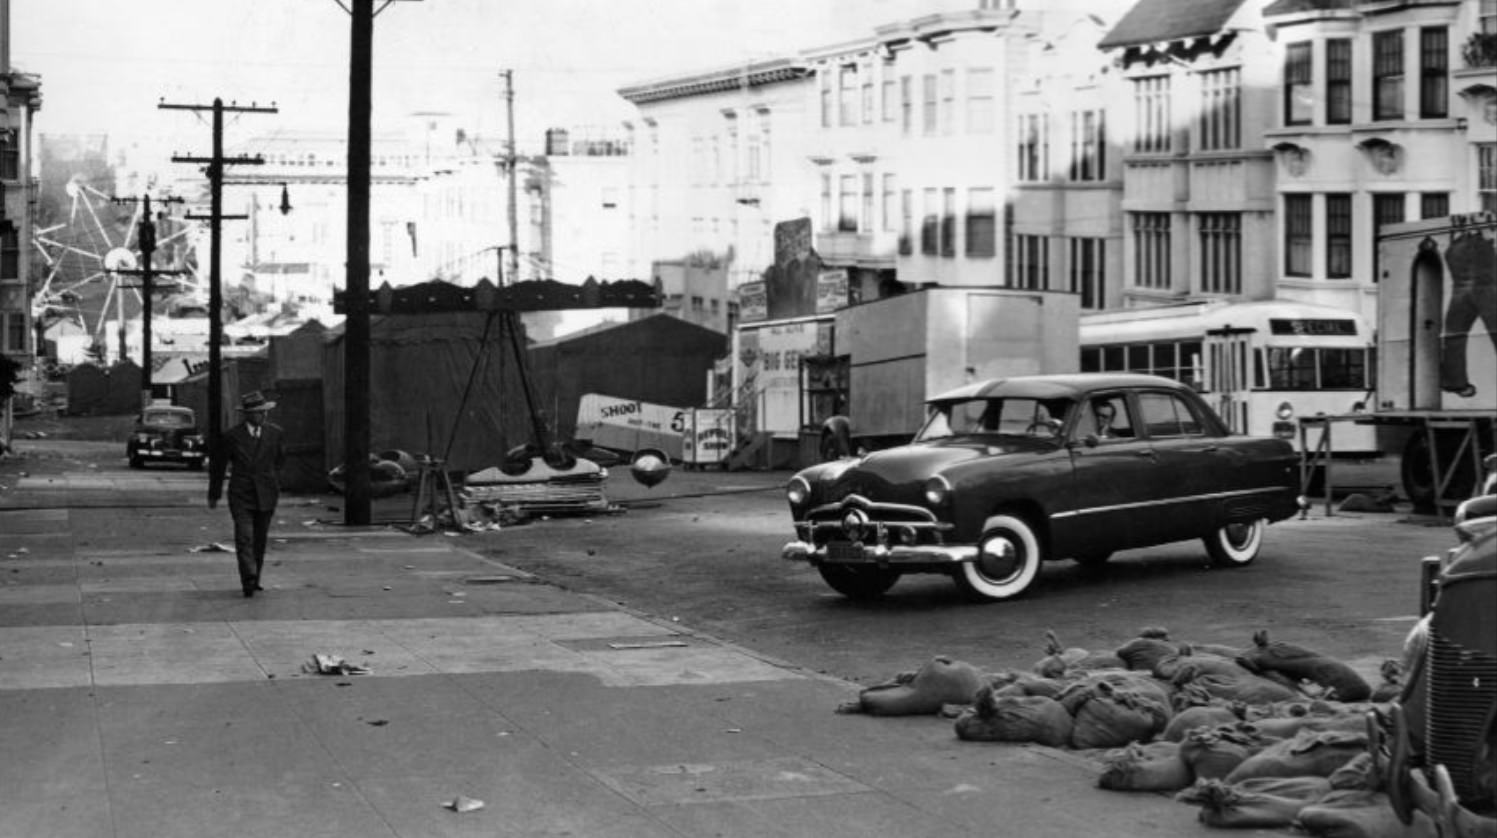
pixel 1007 563
pixel 1236 544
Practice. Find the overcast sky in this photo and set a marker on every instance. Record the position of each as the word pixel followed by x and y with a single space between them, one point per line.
pixel 106 63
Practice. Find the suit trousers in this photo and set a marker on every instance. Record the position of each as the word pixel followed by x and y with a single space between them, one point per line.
pixel 251 532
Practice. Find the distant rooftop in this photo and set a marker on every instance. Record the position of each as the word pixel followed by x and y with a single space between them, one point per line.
pixel 1153 21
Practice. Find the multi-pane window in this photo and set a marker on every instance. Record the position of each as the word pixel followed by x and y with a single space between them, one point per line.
pixel 1387 208
pixel 1338 81
pixel 868 223
pixel 1087 145
pixel 825 78
pixel 1299 95
pixel 1221 252
pixel 826 202
pixel 982 223
pixel 889 209
pixel 1434 204
pixel 906 222
pixel 1031 263
pixel 1434 72
pixel 1387 74
pixel 980 100
pixel 847 102
pixel 890 104
pixel 1486 175
pixel 930 222
pixel 947 114
pixel 1151 103
pixel 10 155
pixel 764 139
pixel 1086 260
pixel 948 222
pixel 906 104
pixel 10 252
pixel 1299 235
pixel 847 204
pixel 15 332
pixel 1221 109
pixel 867 102
pixel 1151 249
pixel 1034 150
pixel 928 104
pixel 1337 235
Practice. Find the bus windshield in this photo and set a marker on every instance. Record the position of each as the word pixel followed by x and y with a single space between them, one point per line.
pixel 1008 417
pixel 1312 368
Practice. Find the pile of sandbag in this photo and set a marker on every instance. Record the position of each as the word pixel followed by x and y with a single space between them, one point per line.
pixel 1271 735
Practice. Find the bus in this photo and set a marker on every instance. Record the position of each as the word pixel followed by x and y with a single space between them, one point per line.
pixel 1261 365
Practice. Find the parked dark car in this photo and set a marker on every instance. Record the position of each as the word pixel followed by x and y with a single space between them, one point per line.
pixel 1436 744
pixel 166 434
pixel 1008 473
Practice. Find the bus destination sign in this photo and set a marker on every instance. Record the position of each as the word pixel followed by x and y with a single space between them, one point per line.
pixel 1326 327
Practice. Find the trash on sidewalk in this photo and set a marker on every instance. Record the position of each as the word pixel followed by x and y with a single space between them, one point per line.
pixel 463 803
pixel 333 665
pixel 210 547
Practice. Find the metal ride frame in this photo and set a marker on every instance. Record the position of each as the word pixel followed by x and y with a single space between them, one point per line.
pixel 1429 422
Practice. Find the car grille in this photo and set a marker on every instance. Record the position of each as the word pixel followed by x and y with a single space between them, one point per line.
pixel 873 523
pixel 1462 689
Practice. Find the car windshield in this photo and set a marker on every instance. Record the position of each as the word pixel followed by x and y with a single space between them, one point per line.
pixel 167 419
pixel 1006 416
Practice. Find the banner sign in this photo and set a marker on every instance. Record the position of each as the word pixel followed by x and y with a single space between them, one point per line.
pixel 831 290
pixel 753 302
pixel 630 425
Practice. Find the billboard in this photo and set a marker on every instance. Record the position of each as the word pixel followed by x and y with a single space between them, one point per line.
pixel 790 283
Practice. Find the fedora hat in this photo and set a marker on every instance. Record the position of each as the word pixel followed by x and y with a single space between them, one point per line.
pixel 255 401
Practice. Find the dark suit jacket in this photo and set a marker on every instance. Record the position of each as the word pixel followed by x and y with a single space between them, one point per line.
pixel 253 465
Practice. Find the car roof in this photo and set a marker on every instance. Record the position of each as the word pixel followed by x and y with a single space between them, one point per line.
pixel 1072 385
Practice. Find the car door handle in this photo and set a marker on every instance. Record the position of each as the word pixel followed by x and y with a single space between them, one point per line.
pixel 1146 452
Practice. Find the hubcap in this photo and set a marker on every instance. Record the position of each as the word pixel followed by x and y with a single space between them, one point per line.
pixel 1238 535
pixel 1000 558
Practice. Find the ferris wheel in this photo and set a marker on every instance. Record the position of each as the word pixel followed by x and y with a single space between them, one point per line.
pixel 88 251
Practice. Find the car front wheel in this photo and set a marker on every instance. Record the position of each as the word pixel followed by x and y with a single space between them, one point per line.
pixel 1236 544
pixel 859 582
pixel 1007 563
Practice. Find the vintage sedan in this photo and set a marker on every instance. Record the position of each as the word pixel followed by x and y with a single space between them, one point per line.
pixel 1008 473
pixel 166 434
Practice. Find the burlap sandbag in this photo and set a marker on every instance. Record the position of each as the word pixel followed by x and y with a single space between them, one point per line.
pixel 1228 681
pixel 1300 664
pixel 939 682
pixel 1215 752
pixel 1143 653
pixel 1153 767
pixel 1014 718
pixel 1184 665
pixel 1058 659
pixel 1205 715
pixel 1360 814
pixel 1111 716
pixel 1244 806
pixel 1391 687
pixel 1309 754
pixel 1010 682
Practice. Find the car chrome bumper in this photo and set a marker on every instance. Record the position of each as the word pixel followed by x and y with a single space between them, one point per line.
pixel 878 554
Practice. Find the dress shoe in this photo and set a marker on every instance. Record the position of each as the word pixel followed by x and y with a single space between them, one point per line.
pixel 249 592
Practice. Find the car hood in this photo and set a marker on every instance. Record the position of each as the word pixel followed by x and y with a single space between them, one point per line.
pixel 899 474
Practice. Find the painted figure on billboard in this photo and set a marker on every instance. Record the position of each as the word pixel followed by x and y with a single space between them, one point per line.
pixel 1472 261
pixel 791 280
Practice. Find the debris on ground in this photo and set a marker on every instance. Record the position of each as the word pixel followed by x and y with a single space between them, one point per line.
pixel 210 547
pixel 333 665
pixel 463 803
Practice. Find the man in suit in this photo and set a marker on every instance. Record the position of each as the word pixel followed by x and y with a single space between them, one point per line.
pixel 252 454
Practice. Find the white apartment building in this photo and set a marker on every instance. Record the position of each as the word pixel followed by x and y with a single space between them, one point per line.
pixel 1384 112
pixel 20 99
pixel 719 158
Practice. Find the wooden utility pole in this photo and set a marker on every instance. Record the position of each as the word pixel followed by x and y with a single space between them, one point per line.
pixel 214 166
pixel 511 167
pixel 146 238
pixel 357 492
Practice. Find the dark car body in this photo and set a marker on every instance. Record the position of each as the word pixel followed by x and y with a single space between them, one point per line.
pixel 1436 745
pixel 1007 473
pixel 166 434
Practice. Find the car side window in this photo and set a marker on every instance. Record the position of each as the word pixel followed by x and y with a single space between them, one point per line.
pixel 1167 415
pixel 1106 417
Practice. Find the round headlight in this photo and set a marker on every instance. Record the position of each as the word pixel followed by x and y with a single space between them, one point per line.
pixel 937 490
pixel 798 491
pixel 1285 411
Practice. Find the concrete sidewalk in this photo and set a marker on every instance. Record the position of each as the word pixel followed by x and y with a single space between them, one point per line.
pixel 142 695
